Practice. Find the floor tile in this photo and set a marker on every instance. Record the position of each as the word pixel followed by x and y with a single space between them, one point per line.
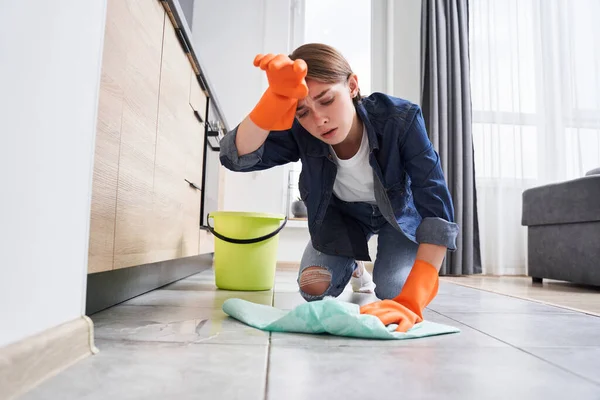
pixel 423 373
pixel 476 301
pixel 174 324
pixel 566 294
pixel 284 287
pixel 287 300
pixel 290 300
pixel 584 361
pixel 140 370
pixel 176 342
pixel 205 298
pixel 191 285
pixel 467 338
pixel 206 275
pixel 288 276
pixel 536 330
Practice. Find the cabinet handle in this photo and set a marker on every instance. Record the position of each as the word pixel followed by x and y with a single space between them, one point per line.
pixel 214 148
pixel 198 117
pixel 182 41
pixel 192 184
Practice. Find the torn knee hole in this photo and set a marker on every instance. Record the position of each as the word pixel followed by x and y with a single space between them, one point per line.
pixel 315 280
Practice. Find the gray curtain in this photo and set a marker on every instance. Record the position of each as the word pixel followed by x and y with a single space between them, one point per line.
pixel 446 104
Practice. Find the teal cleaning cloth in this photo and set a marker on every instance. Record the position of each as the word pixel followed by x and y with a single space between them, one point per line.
pixel 326 316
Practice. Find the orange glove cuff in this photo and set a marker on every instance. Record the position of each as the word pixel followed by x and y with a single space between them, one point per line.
pixel 420 287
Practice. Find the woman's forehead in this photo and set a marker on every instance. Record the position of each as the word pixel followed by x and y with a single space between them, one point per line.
pixel 316 88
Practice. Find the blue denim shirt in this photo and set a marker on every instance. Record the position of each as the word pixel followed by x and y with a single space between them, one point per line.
pixel 409 184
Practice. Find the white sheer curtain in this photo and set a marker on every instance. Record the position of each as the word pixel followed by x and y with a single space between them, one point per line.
pixel 535 77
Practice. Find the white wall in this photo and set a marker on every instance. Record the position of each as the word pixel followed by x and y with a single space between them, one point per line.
pixel 292 242
pixel 49 75
pixel 227 35
pixel 407 49
pixel 396 48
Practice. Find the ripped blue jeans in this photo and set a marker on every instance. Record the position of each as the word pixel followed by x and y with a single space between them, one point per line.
pixel 395 255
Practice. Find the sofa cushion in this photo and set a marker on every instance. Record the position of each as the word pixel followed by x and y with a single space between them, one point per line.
pixel 573 201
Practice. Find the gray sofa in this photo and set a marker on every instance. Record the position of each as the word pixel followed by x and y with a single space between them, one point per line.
pixel 563 230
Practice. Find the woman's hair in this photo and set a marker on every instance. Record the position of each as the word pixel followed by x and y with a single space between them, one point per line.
pixel 325 64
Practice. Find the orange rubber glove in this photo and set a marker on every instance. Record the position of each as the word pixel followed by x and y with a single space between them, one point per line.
pixel 277 107
pixel 406 309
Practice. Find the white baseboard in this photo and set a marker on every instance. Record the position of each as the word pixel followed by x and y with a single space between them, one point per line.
pixel 27 363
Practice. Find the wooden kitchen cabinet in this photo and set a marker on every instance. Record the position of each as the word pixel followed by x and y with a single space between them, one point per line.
pixel 192 194
pixel 194 160
pixel 135 229
pixel 108 141
pixel 194 155
pixel 150 144
pixel 126 134
pixel 171 149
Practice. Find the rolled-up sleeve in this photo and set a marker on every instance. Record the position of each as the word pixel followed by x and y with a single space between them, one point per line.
pixel 279 148
pixel 431 195
pixel 229 154
pixel 438 231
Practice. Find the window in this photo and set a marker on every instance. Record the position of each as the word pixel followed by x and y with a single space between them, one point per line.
pixel 535 69
pixel 343 24
pixel 535 77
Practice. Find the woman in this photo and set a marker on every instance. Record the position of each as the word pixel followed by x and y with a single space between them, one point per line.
pixel 368 168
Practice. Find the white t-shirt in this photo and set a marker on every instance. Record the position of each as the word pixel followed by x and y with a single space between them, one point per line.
pixel 354 179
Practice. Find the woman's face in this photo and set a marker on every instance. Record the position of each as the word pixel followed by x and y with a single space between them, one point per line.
pixel 327 112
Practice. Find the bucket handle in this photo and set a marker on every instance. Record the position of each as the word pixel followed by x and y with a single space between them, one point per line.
pixel 243 241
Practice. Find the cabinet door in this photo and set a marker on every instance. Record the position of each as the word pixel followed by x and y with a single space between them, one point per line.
pixel 108 137
pixel 172 148
pixel 142 32
pixel 193 174
pixel 204 240
pixel 197 101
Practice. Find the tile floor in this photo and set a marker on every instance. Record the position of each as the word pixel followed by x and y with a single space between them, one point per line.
pixel 566 294
pixel 176 343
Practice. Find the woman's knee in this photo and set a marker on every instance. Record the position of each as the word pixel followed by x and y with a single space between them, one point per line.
pixel 388 287
pixel 314 281
pixel 386 292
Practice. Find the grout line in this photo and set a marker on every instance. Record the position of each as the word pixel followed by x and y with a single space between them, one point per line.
pixel 268 368
pixel 526 298
pixel 522 350
pixel 172 342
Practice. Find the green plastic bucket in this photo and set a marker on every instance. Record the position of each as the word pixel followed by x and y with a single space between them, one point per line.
pixel 245 249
